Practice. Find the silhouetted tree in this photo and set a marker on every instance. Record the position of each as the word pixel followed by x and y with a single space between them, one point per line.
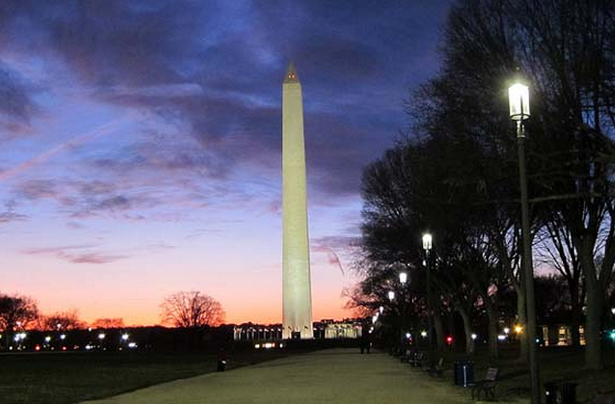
pixel 65 320
pixel 191 310
pixel 108 323
pixel 16 312
pixel 566 50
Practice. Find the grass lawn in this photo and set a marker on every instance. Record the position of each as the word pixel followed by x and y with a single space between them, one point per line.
pixel 556 363
pixel 59 378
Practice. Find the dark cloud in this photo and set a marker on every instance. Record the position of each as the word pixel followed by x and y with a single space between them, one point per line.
pixel 108 42
pixel 337 242
pixel 76 254
pixel 10 216
pixel 80 199
pixel 16 104
pixel 332 247
pixel 214 70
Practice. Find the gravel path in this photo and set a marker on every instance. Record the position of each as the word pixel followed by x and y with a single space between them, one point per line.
pixel 331 376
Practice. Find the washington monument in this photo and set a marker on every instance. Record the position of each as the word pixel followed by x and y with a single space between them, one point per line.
pixel 297 306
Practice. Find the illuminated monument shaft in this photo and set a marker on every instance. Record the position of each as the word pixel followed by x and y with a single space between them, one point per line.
pixel 297 310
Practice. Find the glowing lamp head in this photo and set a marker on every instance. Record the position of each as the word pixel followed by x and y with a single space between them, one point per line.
pixel 449 340
pixel 424 334
pixel 427 241
pixel 474 336
pixel 506 330
pixel 403 277
pixel 391 295
pixel 518 329
pixel 101 336
pixel 381 309
pixel 408 335
pixel 519 101
pixel 125 337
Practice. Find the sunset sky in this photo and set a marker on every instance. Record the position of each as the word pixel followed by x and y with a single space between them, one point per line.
pixel 140 145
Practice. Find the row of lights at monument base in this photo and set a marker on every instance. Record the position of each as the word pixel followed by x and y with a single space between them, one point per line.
pixel 20 338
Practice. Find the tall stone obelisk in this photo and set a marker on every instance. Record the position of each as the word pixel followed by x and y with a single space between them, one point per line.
pixel 297 297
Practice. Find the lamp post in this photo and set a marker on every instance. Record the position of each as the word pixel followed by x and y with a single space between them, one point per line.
pixel 403 278
pixel 427 244
pixel 519 100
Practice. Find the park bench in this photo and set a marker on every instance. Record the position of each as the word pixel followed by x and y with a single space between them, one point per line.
pixel 417 359
pixel 487 385
pixel 437 368
pixel 406 356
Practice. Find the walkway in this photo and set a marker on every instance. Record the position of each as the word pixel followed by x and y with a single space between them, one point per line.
pixel 330 376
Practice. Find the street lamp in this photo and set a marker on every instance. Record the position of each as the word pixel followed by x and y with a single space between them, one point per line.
pixel 391 295
pixel 519 100
pixel 427 245
pixel 403 278
pixel 427 241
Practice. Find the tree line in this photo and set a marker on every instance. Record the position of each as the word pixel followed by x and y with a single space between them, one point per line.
pixel 192 310
pixel 455 173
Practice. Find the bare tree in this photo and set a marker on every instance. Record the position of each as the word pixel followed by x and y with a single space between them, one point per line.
pixel 68 320
pixel 108 323
pixel 191 310
pixel 16 312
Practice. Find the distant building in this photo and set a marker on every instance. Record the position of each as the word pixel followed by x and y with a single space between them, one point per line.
pixel 324 329
pixel 560 335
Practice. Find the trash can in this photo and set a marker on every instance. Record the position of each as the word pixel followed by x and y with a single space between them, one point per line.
pixel 569 393
pixel 456 366
pixel 463 373
pixel 551 389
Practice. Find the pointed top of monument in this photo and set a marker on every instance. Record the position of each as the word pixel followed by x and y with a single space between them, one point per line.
pixel 291 74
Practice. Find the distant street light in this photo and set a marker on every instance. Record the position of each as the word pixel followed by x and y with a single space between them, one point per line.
pixel 381 309
pixel 519 100
pixel 391 295
pixel 427 245
pixel 427 241
pixel 101 337
pixel 403 278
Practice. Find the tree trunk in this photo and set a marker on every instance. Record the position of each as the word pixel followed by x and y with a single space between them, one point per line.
pixel 493 330
pixel 575 322
pixel 522 317
pixel 593 351
pixel 467 329
pixel 439 330
pixel 576 304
